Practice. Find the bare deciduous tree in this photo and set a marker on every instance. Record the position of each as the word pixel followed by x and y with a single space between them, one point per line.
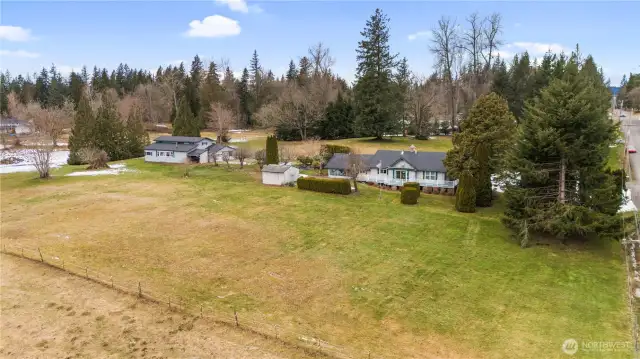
pixel 242 153
pixel 155 103
pixel 472 42
pixel 226 157
pixel 423 105
pixel 220 118
pixel 491 30
pixel 446 47
pixel 261 157
pixel 285 154
pixel 321 59
pixel 41 156
pixel 355 166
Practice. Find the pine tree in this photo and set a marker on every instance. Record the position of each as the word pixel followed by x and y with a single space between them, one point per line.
pixel 192 91
pixel 42 88
pixel 83 121
pixel 484 192
pixel 519 84
pixel 292 73
pixel 135 135
pixel 211 90
pixel 339 120
pixel 107 132
pixel 55 97
pixel 304 71
pixel 256 82
pixel 76 88
pixel 490 122
pixel 244 98
pixel 466 193
pixel 272 150
pixel 566 130
pixel 402 81
pixel 4 92
pixel 375 98
pixel 500 83
pixel 185 124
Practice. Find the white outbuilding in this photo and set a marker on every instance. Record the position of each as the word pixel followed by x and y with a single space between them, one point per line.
pixel 279 175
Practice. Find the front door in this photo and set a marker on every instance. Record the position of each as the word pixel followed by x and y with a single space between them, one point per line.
pixel 400 174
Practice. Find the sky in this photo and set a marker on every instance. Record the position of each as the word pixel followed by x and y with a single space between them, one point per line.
pixel 147 34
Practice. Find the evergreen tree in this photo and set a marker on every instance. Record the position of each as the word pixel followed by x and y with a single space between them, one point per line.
pixel 107 132
pixel 403 78
pixel 83 121
pixel 466 193
pixel 375 98
pixel 192 91
pixel 484 192
pixel 488 122
pixel 84 75
pixel 339 120
pixel 500 84
pixel 256 81
pixel 211 89
pixel 42 88
pixel 4 92
pixel 55 97
pixel 185 124
pixel 135 135
pixel 292 73
pixel 76 88
pixel 244 97
pixel 520 84
pixel 304 71
pixel 272 150
pixel 565 131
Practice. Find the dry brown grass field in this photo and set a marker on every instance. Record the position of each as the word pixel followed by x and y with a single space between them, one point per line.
pixel 360 272
pixel 47 313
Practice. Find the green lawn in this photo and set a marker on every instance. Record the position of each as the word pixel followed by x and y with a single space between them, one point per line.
pixel 360 271
pixel 615 158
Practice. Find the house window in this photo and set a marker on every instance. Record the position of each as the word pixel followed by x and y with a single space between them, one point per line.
pixel 400 175
pixel 148 153
pixel 384 171
pixel 160 153
pixel 173 154
pixel 430 175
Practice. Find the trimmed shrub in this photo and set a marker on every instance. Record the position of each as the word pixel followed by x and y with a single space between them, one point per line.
pixel 484 192
pixel 305 160
pixel 466 196
pixel 409 195
pixel 325 185
pixel 415 185
pixel 272 150
pixel 327 151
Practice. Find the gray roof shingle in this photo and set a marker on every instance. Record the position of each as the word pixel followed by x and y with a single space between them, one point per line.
pixel 275 168
pixel 421 161
pixel 171 147
pixel 181 139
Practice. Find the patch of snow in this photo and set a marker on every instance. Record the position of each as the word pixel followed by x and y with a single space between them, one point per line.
pixel 58 158
pixel 161 125
pixel 243 139
pixel 115 169
pixel 627 205
pixel 238 130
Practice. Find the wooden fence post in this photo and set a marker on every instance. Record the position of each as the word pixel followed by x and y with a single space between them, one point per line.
pixel 41 257
pixel 235 314
pixel 139 289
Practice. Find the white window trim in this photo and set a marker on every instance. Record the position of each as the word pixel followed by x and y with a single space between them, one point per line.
pixel 430 175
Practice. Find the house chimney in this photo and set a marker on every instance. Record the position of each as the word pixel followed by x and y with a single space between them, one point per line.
pixel 413 149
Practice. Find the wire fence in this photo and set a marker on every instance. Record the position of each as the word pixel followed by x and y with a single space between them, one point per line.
pixel 273 331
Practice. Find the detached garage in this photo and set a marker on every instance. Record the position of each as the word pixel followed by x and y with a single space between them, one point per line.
pixel 279 175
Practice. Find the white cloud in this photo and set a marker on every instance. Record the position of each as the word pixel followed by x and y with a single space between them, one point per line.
pixel 537 48
pixel 239 6
pixel 14 33
pixel 418 34
pixel 213 26
pixel 66 70
pixel 505 54
pixel 19 53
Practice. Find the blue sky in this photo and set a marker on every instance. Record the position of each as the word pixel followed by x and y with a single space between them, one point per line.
pixel 146 34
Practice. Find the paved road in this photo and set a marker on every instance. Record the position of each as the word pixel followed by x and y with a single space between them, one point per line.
pixel 631 126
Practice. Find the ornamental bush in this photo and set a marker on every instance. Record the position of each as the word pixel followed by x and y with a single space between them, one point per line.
pixel 415 185
pixel 325 185
pixel 466 194
pixel 409 195
pixel 327 151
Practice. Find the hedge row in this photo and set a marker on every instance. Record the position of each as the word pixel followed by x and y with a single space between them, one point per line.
pixel 325 185
pixel 409 195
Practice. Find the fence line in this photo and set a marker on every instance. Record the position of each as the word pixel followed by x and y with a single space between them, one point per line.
pixel 287 337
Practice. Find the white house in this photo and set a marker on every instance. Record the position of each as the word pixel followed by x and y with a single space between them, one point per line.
pixel 394 168
pixel 279 175
pixel 179 149
pixel 12 125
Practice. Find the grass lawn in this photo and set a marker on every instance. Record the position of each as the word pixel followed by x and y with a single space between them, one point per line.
pixel 615 158
pixel 366 273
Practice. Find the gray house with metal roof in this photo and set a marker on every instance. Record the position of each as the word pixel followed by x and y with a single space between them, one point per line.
pixel 179 149
pixel 394 168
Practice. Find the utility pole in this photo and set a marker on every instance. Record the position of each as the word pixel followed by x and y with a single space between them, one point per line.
pixel 562 180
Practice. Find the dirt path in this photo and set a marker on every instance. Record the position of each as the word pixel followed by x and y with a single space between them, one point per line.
pixel 46 313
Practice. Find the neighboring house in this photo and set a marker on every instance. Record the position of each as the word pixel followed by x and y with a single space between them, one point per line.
pixel 394 168
pixel 179 149
pixel 279 175
pixel 12 125
pixel 219 149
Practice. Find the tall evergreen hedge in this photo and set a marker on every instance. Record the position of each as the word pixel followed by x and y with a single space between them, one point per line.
pixel 466 194
pixel 325 185
pixel 415 185
pixel 272 150
pixel 484 192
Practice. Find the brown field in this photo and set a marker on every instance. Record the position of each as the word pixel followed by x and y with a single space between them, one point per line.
pixel 47 313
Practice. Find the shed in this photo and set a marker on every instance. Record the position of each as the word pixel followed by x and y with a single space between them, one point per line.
pixel 279 175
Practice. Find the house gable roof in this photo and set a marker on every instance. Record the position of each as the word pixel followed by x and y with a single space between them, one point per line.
pixel 218 147
pixel 275 168
pixel 341 160
pixel 171 147
pixel 421 161
pixel 181 139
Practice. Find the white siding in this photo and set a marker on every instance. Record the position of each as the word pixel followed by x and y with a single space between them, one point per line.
pixel 204 157
pixel 441 177
pixel 204 143
pixel 273 178
pixel 178 157
pixel 402 164
pixel 291 175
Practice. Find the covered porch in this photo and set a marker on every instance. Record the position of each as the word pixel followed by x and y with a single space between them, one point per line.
pixel 383 179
